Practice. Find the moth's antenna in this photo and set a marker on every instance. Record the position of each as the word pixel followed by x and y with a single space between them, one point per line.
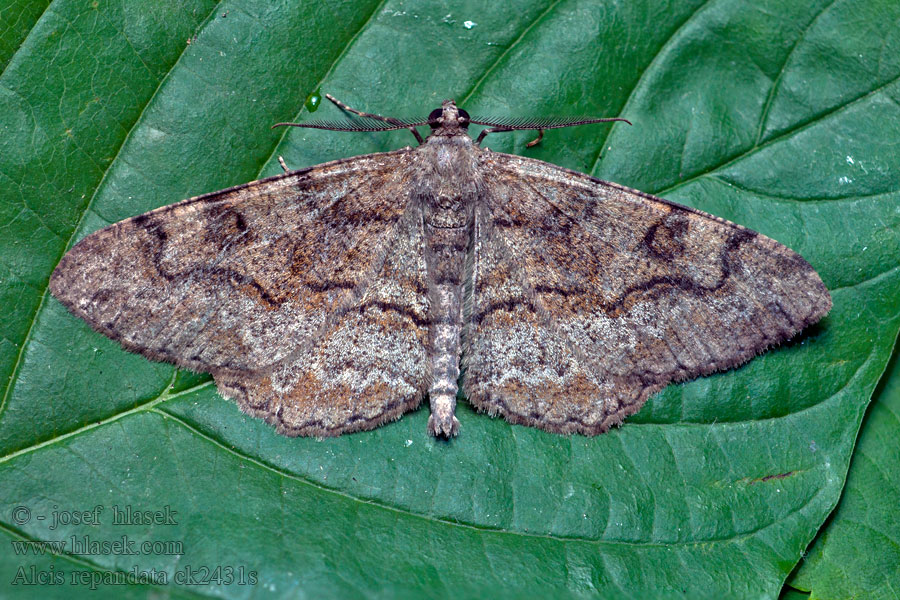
pixel 501 125
pixel 366 125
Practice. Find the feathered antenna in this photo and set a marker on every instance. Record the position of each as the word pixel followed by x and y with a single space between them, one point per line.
pixel 516 124
pixel 373 122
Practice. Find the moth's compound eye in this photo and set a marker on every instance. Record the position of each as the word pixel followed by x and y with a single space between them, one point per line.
pixel 463 118
pixel 434 117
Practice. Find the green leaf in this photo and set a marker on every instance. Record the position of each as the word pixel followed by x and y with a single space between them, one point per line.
pixel 789 593
pixel 857 554
pixel 784 119
pixel 16 19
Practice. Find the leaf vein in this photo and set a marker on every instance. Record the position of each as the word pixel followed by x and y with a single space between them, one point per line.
pixel 75 230
pixel 764 117
pixel 506 51
pixel 656 56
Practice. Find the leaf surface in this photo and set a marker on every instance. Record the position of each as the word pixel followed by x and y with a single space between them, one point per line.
pixel 857 552
pixel 783 119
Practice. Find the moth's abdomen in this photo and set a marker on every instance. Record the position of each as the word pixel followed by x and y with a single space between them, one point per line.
pixel 445 257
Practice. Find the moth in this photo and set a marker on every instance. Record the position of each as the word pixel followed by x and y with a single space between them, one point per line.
pixel 334 298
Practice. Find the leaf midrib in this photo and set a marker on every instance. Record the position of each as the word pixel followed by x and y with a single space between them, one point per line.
pixel 164 397
pixel 798 128
pixel 14 373
pixel 428 518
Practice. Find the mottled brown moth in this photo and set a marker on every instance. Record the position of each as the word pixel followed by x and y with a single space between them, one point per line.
pixel 334 298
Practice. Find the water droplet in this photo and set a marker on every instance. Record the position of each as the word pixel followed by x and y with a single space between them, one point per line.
pixel 313 101
pixel 469 24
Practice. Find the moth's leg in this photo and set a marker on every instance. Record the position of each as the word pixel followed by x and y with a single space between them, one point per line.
pixel 343 106
pixel 283 165
pixel 484 132
pixel 390 120
pixel 536 140
pixel 416 133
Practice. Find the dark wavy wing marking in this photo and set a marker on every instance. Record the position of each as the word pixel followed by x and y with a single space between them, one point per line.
pixel 367 367
pixel 245 281
pixel 587 297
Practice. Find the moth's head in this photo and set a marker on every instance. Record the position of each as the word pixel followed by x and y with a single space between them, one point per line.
pixel 448 119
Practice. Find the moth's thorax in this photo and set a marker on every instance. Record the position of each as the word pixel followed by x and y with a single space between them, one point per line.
pixel 448 183
pixel 448 180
